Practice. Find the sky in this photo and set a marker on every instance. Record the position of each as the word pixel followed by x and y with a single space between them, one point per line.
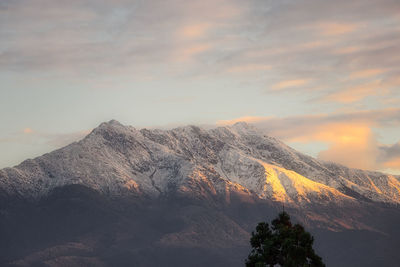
pixel 323 76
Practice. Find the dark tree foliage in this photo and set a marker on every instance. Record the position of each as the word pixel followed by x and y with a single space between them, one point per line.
pixel 283 244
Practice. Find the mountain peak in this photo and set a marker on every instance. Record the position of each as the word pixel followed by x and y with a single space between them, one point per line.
pixel 111 123
pixel 109 126
pixel 243 127
pixel 114 122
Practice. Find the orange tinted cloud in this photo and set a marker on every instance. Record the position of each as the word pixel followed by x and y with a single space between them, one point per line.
pixel 290 83
pixel 393 81
pixel 351 145
pixel 366 73
pixel 194 31
pixel 393 164
pixel 349 136
pixel 248 119
pixel 249 68
pixel 28 130
pixel 348 50
pixel 356 93
pixel 287 48
pixel 340 132
pixel 336 28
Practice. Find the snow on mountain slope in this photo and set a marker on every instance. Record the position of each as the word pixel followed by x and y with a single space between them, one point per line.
pixel 283 184
pixel 117 159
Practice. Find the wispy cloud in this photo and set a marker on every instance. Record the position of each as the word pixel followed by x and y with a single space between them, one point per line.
pixel 290 83
pixel 367 73
pixel 55 140
pixel 357 93
pixel 350 136
pixel 336 28
pixel 249 119
pixel 390 156
pixel 250 67
pixel 139 39
pixel 194 31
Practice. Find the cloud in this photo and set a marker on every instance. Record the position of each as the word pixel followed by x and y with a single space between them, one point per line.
pixel 350 136
pixel 357 93
pixel 347 50
pixel 54 140
pixel 382 87
pixel 189 52
pixel 248 119
pixel 390 156
pixel 350 144
pixel 109 37
pixel 290 83
pixel 136 39
pixel 393 164
pixel 334 55
pixel 194 31
pixel 28 130
pixel 367 73
pixel 250 67
pixel 336 28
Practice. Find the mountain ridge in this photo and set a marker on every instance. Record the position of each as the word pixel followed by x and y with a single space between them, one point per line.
pixel 118 159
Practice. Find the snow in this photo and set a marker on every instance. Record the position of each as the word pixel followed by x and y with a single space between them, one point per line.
pixel 117 159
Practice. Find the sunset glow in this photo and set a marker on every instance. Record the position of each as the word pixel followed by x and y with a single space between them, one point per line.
pixel 304 186
pixel 321 76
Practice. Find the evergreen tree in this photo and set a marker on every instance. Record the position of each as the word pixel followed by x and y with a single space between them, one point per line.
pixel 284 244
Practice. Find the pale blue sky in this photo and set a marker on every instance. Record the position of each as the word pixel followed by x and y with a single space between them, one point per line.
pixel 333 66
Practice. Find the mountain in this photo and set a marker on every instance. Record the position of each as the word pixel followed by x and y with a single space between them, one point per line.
pixel 128 197
pixel 115 159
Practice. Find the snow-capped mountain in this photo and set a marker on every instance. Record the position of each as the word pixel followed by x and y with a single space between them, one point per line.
pixel 116 160
pixel 188 197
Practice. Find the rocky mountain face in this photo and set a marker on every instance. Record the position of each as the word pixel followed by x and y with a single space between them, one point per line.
pixel 187 196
